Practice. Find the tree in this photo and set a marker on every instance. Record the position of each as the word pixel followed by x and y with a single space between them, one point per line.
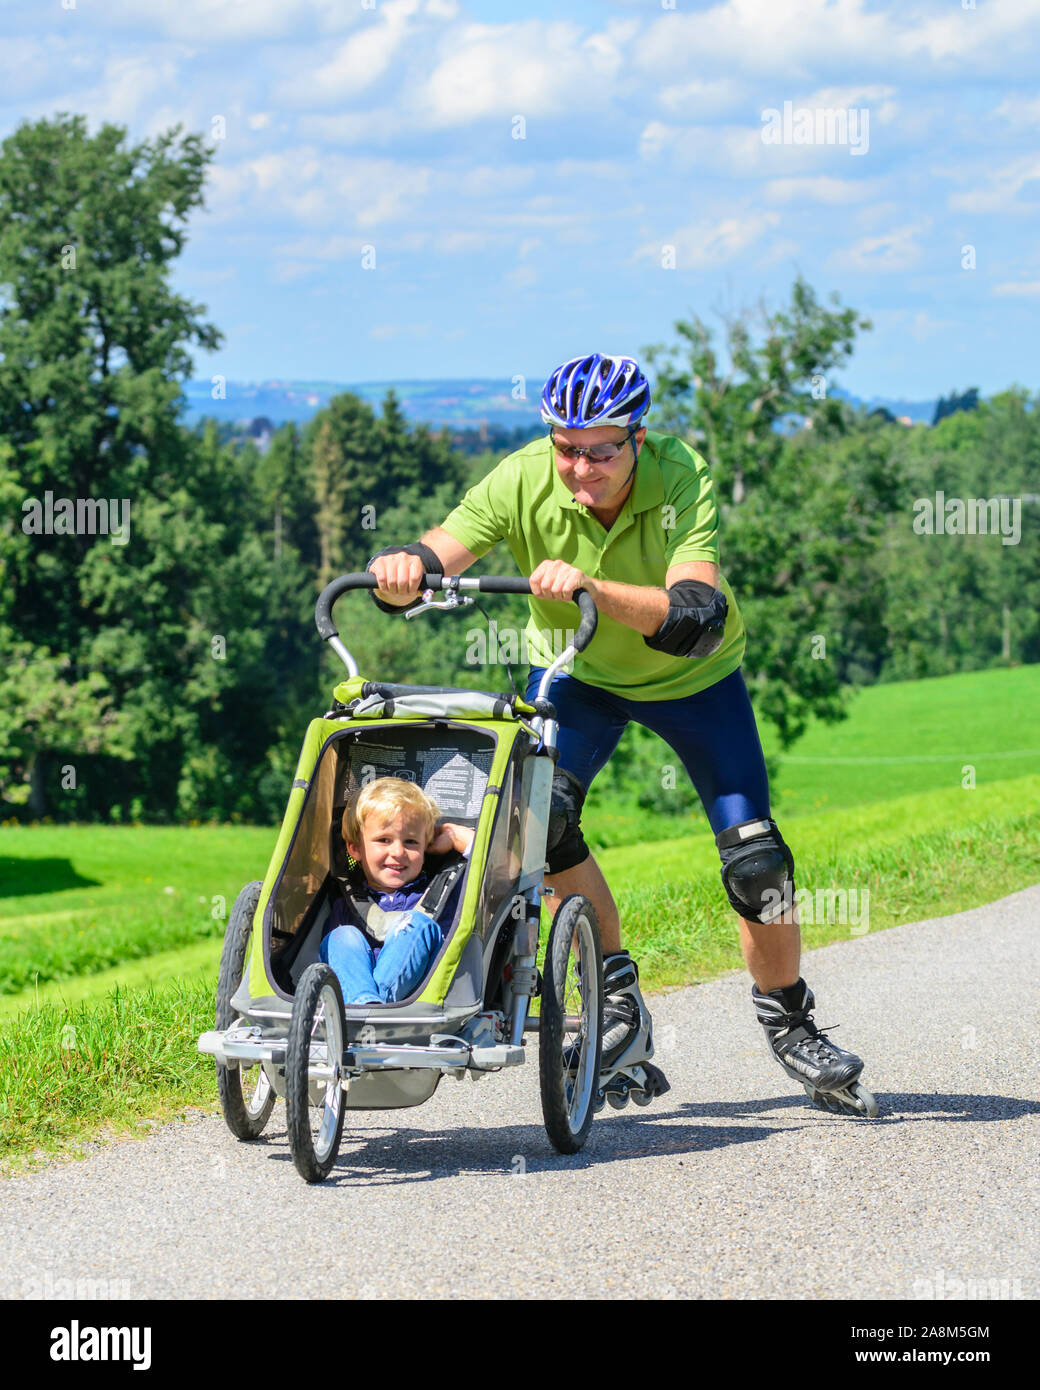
pixel 286 496
pixel 961 601
pixel 967 400
pixel 731 418
pixel 791 521
pixel 92 341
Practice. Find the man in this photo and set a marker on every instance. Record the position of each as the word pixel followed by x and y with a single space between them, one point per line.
pixel 606 505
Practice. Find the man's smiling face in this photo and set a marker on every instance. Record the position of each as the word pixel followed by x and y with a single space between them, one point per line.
pixel 601 485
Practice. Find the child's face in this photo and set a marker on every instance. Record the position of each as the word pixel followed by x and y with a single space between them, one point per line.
pixel 391 853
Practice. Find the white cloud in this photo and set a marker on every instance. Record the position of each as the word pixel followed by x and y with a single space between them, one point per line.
pixel 575 171
pixel 1004 186
pixel 1019 111
pixel 361 60
pixel 529 68
pixel 820 189
pixel 375 128
pixel 212 21
pixel 725 149
pixel 877 100
pixel 761 36
pixel 895 250
pixel 315 188
pixel 128 87
pixel 330 248
pixel 488 180
pixel 698 99
pixel 780 251
pixel 922 326
pixel 1021 289
pixel 522 278
pixel 899 324
pixel 707 244
pixel 462 243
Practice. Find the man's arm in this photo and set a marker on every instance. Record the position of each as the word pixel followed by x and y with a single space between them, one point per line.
pixel 643 606
pixel 400 575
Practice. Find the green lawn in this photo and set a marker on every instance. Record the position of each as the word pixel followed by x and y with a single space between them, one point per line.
pixel 78 899
pixel 914 736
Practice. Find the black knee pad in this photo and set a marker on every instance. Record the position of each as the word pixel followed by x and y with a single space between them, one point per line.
pixel 757 870
pixel 565 845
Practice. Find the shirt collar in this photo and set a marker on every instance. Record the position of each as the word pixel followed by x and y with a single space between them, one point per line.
pixel 419 882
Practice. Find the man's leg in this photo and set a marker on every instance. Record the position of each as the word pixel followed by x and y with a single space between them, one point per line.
pixel 772 953
pixel 590 724
pixel 587 879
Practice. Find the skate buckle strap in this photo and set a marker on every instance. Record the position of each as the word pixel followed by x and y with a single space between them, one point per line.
pixel 813 1037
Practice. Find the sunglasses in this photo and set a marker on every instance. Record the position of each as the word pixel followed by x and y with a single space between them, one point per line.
pixel 600 453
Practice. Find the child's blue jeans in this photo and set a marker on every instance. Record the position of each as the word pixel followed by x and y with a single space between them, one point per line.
pixel 388 974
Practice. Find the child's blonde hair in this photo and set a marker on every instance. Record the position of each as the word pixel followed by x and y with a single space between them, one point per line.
pixel 384 798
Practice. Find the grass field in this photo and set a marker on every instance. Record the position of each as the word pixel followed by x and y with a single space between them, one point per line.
pixel 84 909
pixel 79 899
pixel 915 736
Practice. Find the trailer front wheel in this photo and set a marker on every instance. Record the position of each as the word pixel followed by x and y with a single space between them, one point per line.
pixel 571 1030
pixel 315 1105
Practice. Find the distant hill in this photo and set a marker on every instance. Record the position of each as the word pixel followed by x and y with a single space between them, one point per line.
pixel 920 412
pixel 463 403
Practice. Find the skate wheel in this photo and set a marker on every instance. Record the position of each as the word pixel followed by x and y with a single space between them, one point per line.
pixel 866 1104
pixel 642 1097
pixel 598 1103
pixel 617 1101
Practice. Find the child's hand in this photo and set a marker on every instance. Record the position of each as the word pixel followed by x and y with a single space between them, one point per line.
pixel 441 842
pixel 451 836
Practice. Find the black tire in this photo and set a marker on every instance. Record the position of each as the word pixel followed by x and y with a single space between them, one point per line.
pixel 246 1097
pixel 567 1097
pixel 317 1026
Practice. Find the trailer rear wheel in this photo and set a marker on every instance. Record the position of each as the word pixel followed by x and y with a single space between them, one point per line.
pixel 246 1097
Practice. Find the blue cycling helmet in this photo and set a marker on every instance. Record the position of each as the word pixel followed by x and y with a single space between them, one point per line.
pixel 596 390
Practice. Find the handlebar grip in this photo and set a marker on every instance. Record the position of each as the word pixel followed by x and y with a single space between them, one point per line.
pixel 328 596
pixel 508 584
pixel 589 618
pixel 488 584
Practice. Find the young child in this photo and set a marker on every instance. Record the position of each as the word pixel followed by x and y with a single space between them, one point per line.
pixel 389 827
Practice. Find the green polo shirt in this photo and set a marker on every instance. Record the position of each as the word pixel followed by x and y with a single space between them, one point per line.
pixel 669 517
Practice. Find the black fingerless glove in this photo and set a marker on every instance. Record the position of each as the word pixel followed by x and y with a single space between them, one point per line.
pixel 431 565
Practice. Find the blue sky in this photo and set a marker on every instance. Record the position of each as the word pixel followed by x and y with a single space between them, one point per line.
pixel 642 189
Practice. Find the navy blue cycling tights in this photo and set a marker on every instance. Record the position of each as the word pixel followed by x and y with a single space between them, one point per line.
pixel 713 733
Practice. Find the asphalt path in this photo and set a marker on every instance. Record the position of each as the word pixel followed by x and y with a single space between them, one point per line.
pixel 730 1186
